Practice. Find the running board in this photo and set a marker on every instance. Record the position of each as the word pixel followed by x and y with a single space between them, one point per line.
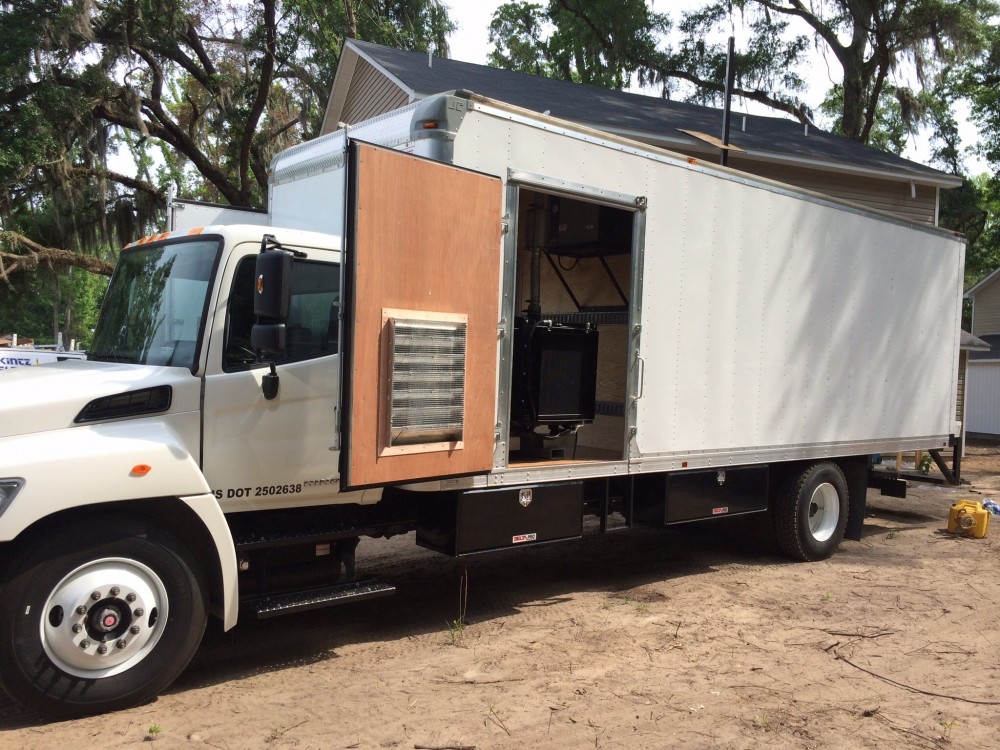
pixel 283 604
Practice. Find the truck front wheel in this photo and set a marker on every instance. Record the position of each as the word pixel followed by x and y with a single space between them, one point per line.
pixel 97 617
pixel 810 512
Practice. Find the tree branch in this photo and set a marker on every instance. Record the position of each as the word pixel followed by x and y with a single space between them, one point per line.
pixel 129 182
pixel 11 263
pixel 798 10
pixel 798 111
pixel 260 101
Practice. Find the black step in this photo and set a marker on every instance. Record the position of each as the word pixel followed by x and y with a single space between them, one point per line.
pixel 300 601
pixel 280 538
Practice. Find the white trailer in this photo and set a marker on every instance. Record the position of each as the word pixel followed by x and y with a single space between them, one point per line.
pixel 466 321
pixel 30 357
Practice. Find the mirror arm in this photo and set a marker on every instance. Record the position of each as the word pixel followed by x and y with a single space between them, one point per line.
pixel 269 384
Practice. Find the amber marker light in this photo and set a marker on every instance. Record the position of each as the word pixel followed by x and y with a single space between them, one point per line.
pixel 140 470
pixel 430 125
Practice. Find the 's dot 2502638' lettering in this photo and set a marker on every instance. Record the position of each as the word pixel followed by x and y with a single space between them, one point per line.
pixel 264 491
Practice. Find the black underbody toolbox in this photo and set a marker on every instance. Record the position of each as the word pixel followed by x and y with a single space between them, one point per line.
pixel 662 499
pixel 462 523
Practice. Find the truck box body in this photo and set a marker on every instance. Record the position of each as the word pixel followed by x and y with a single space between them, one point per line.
pixel 762 323
pixel 775 324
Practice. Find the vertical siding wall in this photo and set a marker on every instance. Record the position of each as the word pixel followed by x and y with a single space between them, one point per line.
pixel 371 94
pixel 983 411
pixel 986 313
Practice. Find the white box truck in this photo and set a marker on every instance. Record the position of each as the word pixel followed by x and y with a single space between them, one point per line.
pixel 468 322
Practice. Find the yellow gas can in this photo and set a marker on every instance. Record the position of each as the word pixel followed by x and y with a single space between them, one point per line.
pixel 968 518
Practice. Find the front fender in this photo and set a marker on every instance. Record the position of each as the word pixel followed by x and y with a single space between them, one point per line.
pixel 91 464
pixel 215 522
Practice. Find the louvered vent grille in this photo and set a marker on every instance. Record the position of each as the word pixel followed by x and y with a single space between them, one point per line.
pixel 428 381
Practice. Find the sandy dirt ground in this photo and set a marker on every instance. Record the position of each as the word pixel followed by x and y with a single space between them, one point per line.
pixel 640 639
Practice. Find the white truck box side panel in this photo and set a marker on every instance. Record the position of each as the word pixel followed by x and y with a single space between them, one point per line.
pixel 768 319
pixel 307 182
pixel 315 203
pixel 184 215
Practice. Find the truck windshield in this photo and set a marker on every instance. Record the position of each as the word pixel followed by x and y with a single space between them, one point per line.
pixel 155 305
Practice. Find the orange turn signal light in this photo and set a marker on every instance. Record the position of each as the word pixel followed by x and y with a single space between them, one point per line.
pixel 140 470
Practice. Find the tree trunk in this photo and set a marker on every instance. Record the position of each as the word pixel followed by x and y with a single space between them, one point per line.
pixel 55 307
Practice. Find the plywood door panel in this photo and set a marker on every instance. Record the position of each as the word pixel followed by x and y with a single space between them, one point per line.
pixel 426 238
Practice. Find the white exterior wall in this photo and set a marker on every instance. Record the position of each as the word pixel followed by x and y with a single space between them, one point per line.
pixel 769 321
pixel 982 406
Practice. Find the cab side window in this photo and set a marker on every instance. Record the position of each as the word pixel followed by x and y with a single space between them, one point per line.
pixel 312 321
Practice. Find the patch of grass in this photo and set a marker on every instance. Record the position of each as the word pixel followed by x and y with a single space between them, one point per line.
pixel 457 627
pixel 946 727
pixel 152 732
pixel 491 715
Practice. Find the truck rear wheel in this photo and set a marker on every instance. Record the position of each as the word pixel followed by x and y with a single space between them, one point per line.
pixel 810 512
pixel 93 620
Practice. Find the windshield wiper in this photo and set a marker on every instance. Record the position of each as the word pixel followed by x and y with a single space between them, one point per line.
pixel 114 358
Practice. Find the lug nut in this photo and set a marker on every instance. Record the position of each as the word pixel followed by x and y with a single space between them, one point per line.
pixel 81 610
pixel 96 596
pixel 84 643
pixel 102 650
pixel 134 630
pixel 121 643
pixel 130 598
pixel 139 612
pixel 114 591
pixel 77 628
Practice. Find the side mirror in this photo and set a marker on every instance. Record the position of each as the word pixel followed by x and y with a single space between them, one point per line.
pixel 268 336
pixel 273 285
pixel 271 299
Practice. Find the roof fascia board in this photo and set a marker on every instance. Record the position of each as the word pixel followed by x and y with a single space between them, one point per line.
pixel 341 86
pixel 827 166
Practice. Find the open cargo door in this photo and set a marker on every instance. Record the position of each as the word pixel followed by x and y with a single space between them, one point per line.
pixel 422 279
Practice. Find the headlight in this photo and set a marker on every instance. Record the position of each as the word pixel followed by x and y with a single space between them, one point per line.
pixel 8 489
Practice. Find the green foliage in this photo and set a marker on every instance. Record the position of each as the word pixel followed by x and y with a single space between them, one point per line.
pixel 600 43
pixel 608 42
pixel 42 304
pixel 201 95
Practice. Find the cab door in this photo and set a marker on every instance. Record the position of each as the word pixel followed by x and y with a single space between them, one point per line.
pixel 421 285
pixel 256 453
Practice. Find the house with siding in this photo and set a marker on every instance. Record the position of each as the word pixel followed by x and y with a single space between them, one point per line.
pixel 983 373
pixel 372 79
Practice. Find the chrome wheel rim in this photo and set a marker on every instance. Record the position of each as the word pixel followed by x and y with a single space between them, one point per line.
pixel 104 617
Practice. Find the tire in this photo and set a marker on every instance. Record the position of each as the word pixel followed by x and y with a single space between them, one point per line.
pixel 810 513
pixel 98 617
